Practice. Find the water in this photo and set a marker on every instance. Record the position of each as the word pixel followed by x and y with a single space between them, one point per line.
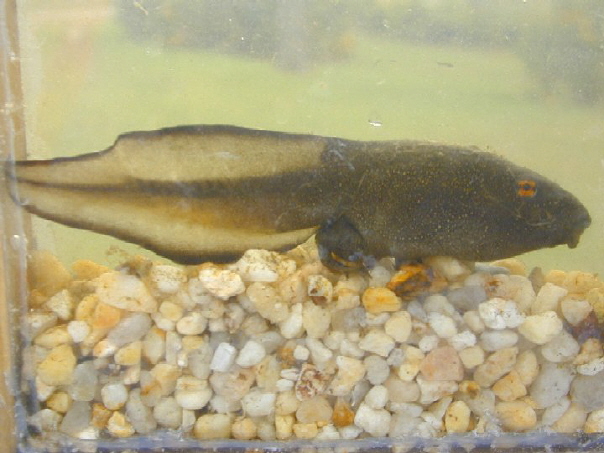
pixel 94 70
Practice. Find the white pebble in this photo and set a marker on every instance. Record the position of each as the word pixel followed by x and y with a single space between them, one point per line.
pixel 474 321
pixel 541 328
pixel 223 358
pixel 377 397
pixel 493 340
pixel 192 323
pixel 192 393
pixel 548 298
pixel 78 330
pixel 374 421
pixel 124 291
pixel 167 279
pixel 380 276
pixel 378 369
pixel 431 391
pixel 318 351
pixel 258 266
pixel 129 329
pixel 258 404
pixel 114 395
pixel 592 367
pixel 251 354
pixel 168 413
pixel 350 372
pixel 561 348
pixel 552 383
pixel 398 326
pixel 472 357
pixel 428 342
pixel 378 342
pixel 575 311
pixel 498 313
pixel 301 353
pixel 462 340
pixel 443 325
pixel 293 327
pixel 222 283
pixel 315 319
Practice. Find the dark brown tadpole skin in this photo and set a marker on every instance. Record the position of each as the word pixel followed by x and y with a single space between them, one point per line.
pixel 196 193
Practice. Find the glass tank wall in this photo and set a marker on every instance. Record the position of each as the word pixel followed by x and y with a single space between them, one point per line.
pixel 523 80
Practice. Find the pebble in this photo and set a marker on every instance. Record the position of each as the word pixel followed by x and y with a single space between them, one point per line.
pixel 379 300
pixel 496 365
pixel 377 397
pixel 398 326
pixel 129 329
pixel 431 391
pixel 378 342
pixel 61 304
pixel 548 298
pixel 193 323
pixel 472 357
pixel 58 366
pixel 124 291
pixel 516 416
pixel 494 340
pixel 315 320
pixel 575 311
pixel 244 428
pixel 221 283
pixel 350 372
pixel 572 420
pixel 119 426
pixel 375 421
pixel 527 367
pixel 314 410
pixel 542 327
pixel 595 422
pixel 167 279
pixel 509 387
pixel 168 413
pixel 442 325
pixel 251 354
pixel 213 426
pixel 562 348
pixel 342 415
pixel 589 391
pixel 320 289
pixel 267 302
pixel 192 393
pixel 114 395
pixel 412 362
pixel 499 313
pixel 551 384
pixel 457 417
pixel 278 347
pixel 223 358
pixel 442 364
pixel 377 368
pixel 258 266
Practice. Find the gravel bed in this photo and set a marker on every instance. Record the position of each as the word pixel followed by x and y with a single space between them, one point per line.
pixel 278 347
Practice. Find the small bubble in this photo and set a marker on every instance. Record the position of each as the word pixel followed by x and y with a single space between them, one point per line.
pixel 18 242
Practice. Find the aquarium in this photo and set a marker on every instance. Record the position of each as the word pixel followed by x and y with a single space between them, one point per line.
pixel 372 225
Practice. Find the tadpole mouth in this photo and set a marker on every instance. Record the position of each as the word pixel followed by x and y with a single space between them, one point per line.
pixel 582 223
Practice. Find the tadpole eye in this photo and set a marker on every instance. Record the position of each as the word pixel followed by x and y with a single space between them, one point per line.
pixel 526 188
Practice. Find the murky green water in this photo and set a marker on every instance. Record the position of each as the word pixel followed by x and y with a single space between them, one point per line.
pixel 522 81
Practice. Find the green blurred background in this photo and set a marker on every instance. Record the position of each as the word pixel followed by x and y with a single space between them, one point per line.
pixel 522 79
